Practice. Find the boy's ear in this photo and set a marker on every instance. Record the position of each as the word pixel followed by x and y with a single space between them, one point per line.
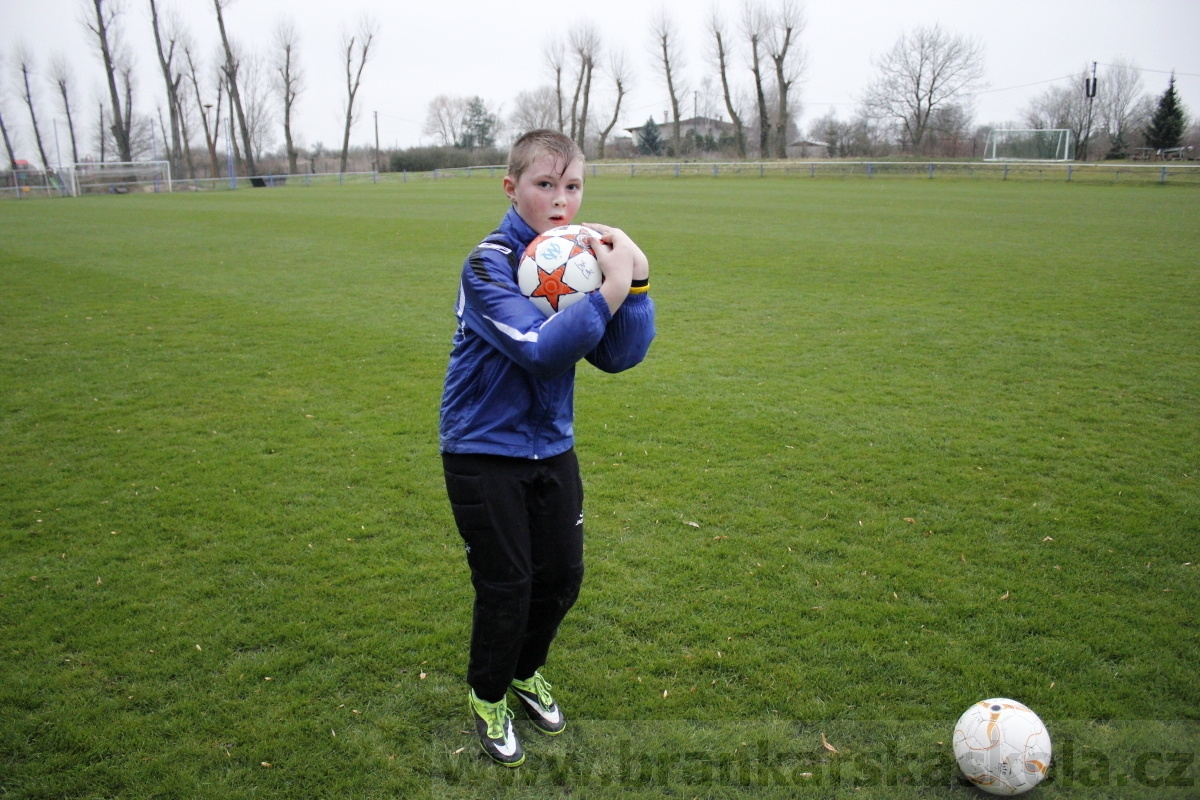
pixel 510 188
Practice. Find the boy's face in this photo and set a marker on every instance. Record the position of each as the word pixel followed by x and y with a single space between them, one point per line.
pixel 546 195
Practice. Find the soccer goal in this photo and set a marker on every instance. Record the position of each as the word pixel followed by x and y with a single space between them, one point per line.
pixel 120 177
pixel 1046 144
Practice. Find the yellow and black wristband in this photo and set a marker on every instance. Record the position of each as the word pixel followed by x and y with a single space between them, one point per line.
pixel 640 286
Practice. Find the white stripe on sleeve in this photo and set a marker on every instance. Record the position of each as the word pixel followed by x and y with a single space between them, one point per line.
pixel 513 333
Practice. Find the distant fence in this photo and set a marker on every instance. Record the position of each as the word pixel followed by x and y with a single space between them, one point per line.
pixel 1098 172
pixel 1109 172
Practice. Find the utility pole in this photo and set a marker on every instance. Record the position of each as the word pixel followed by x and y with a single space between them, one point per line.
pixel 1089 92
pixel 377 141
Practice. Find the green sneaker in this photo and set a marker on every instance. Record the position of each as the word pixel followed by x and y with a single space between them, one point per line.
pixel 535 698
pixel 493 725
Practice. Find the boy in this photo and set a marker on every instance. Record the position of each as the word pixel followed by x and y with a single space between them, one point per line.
pixel 507 437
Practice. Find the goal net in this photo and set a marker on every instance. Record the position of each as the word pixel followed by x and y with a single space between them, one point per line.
pixel 120 177
pixel 1045 144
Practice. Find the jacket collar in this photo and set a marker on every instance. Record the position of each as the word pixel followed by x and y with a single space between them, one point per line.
pixel 517 228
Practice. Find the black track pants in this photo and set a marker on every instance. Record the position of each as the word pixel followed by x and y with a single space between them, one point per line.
pixel 522 525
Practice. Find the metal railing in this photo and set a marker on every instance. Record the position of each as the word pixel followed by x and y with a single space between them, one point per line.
pixel 1175 173
pixel 1070 172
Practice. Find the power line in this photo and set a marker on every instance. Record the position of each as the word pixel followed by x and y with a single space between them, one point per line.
pixel 1026 85
pixel 1147 69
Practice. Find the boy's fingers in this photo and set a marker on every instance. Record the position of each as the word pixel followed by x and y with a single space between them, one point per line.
pixel 604 230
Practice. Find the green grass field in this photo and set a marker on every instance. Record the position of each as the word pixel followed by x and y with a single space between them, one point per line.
pixel 899 446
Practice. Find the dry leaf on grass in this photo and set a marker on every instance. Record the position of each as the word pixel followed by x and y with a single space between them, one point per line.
pixel 825 743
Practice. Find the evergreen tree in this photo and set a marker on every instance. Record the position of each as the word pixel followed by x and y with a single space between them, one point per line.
pixel 479 126
pixel 650 142
pixel 1169 120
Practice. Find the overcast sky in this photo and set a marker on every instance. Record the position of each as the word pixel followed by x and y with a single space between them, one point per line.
pixel 495 50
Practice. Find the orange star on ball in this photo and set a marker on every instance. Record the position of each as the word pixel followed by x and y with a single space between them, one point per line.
pixel 551 286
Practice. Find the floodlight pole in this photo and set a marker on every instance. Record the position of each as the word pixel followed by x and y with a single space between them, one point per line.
pixel 376 176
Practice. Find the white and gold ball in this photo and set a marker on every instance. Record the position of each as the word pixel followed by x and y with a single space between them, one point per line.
pixel 1002 746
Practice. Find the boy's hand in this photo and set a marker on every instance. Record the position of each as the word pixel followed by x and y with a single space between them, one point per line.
pixel 641 265
pixel 615 256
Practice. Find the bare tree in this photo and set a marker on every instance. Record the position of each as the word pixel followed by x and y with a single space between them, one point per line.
pixel 24 64
pixel 721 52
pixel 1063 107
pixel 368 29
pixel 926 68
pixel 556 60
pixel 101 139
pixel 12 159
pixel 289 82
pixel 210 133
pixel 230 69
pixel 256 98
pixel 533 110
pixel 7 140
pixel 1123 104
pixel 585 44
pixel 949 129
pixel 165 47
pixel 60 75
pixel 622 78
pixel 667 54
pixel 185 128
pixel 786 25
pixel 108 40
pixel 754 28
pixel 446 119
pixel 127 125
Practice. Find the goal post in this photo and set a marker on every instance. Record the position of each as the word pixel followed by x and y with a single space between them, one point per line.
pixel 120 177
pixel 1041 144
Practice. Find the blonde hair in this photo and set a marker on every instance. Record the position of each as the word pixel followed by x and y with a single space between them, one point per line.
pixel 536 143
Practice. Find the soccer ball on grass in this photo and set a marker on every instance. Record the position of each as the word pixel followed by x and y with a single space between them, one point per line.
pixel 558 270
pixel 1002 747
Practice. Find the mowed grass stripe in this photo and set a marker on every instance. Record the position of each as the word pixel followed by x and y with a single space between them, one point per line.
pixel 1012 367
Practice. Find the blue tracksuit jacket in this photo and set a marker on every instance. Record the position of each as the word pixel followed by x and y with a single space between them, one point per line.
pixel 510 385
